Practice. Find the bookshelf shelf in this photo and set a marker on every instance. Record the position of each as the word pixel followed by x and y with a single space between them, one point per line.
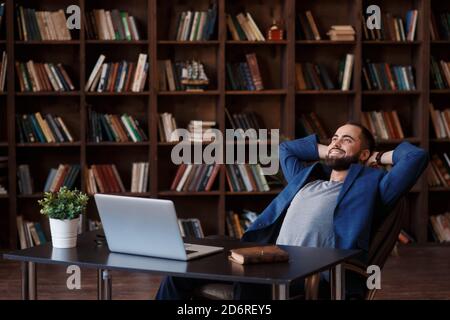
pixel 2 41
pixel 3 93
pixel 117 42
pixel 117 144
pixel 391 92
pixel 264 193
pixel 446 140
pixel 48 145
pixel 48 42
pixel 440 42
pixel 437 92
pixel 325 42
pixel 397 141
pixel 439 189
pixel 188 43
pixel 392 43
pixel 189 93
pixel 4 196
pixel 188 194
pixel 325 92
pixel 257 43
pixel 99 94
pixel 49 93
pixel 277 92
pixel 130 194
pixel 31 196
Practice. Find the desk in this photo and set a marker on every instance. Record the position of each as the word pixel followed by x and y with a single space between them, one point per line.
pixel 88 254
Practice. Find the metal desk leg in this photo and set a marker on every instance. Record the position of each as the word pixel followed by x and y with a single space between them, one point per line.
pixel 280 291
pixel 337 282
pixel 29 281
pixel 107 285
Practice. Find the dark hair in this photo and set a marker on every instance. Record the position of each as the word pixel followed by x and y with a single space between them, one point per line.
pixel 367 136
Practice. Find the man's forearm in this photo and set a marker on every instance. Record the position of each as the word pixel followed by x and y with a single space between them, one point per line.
pixel 386 158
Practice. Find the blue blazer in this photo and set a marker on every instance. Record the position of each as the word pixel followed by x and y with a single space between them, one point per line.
pixel 366 196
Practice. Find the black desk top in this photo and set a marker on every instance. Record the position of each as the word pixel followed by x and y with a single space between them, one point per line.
pixel 303 261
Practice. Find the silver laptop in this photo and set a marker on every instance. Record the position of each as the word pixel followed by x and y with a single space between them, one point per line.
pixel 146 227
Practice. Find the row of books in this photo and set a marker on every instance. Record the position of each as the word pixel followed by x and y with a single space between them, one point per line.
pixel 196 25
pixel 238 222
pixel 441 122
pixel 24 180
pixel 393 28
pixel 384 76
pixel 244 120
pixel 113 24
pixel 30 233
pixel 114 128
pixel 440 73
pixel 310 123
pixel 36 77
pixel 181 75
pixel 440 27
pixel 3 175
pixel 384 125
pixel 306 27
pixel 139 177
pixel 242 27
pixel 166 126
pixel 3 70
pixel 441 227
pixel 191 228
pixel 41 25
pixel 118 76
pixel 439 173
pixel 195 177
pixel 43 129
pixel 310 76
pixel 65 175
pixel 246 177
pixel 342 33
pixel 245 75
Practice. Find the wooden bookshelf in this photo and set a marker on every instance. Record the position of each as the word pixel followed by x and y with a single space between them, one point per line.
pixel 279 105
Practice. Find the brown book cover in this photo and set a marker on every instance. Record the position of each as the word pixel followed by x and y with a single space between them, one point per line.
pixel 111 182
pixel 178 176
pixel 118 179
pixel 130 71
pixel 98 178
pixel 112 77
pixel 212 177
pixel 66 76
pixel 44 76
pixel 313 25
pixel 300 79
pixel 259 254
pixel 254 70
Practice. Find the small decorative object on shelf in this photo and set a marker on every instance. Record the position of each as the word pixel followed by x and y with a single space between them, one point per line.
pixel 275 32
pixel 193 76
pixel 64 209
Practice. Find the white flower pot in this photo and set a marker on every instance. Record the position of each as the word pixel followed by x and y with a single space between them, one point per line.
pixel 64 233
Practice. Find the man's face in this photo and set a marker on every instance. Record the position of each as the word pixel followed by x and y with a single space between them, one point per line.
pixel 345 148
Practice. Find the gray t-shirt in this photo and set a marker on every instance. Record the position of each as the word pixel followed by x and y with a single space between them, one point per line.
pixel 309 218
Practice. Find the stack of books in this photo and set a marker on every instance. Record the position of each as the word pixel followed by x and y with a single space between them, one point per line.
pixel 114 128
pixel 181 75
pixel 306 27
pixel 441 227
pixel 25 181
pixel 440 28
pixel 3 175
pixel 196 25
pixel 104 179
pixel 30 233
pixel 243 27
pixel 439 174
pixel 393 28
pixel 384 125
pixel 383 76
pixel 103 24
pixel 166 126
pixel 246 177
pixel 238 222
pixel 42 25
pixel 195 177
pixel 65 175
pixel 36 77
pixel 3 70
pixel 441 122
pixel 47 129
pixel 139 177
pixel 341 33
pixel 245 75
pixel 197 128
pixel 191 228
pixel 118 76
pixel 309 123
pixel 440 73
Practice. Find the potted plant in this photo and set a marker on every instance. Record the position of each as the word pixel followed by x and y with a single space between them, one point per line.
pixel 64 209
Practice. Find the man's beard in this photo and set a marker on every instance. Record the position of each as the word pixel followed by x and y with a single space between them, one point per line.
pixel 341 164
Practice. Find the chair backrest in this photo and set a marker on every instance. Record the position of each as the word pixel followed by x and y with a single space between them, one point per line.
pixel 385 237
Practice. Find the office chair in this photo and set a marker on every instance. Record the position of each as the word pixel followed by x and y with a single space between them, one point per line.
pixel 382 243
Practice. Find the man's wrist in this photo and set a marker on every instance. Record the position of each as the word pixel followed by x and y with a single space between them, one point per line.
pixel 379 158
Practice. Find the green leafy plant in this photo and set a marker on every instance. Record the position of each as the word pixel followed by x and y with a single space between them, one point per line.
pixel 63 205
